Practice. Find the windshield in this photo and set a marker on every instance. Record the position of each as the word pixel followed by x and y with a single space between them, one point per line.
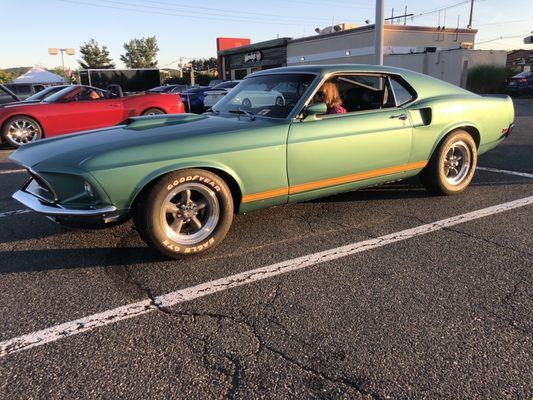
pixel 43 94
pixel 58 95
pixel 271 96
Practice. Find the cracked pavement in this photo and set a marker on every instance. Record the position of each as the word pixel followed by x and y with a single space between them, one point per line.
pixel 443 315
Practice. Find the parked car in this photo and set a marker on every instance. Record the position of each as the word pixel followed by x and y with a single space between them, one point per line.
pixel 25 90
pixel 168 89
pixel 255 97
pixel 77 108
pixel 193 99
pixel 7 96
pixel 215 93
pixel 214 82
pixel 521 84
pixel 182 177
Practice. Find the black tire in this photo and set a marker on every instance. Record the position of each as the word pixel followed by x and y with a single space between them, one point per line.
pixel 157 223
pixel 279 101
pixel 246 103
pixel 26 123
pixel 452 166
pixel 153 111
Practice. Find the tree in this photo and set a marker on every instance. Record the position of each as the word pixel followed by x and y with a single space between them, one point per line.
pixel 204 64
pixel 94 56
pixel 6 77
pixel 140 53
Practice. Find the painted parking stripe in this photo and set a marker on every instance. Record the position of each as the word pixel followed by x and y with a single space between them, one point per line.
pixel 14 212
pixel 506 171
pixel 12 171
pixel 132 310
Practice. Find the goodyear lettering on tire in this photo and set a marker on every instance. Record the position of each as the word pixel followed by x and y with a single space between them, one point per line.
pixel 193 249
pixel 193 178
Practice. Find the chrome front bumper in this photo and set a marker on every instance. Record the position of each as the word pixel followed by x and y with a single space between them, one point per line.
pixel 55 210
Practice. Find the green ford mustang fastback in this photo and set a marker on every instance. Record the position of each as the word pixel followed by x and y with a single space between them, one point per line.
pixel 285 134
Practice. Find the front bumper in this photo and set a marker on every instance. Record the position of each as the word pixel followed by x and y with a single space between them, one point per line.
pixel 105 214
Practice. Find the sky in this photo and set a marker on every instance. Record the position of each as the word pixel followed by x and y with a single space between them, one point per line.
pixel 186 28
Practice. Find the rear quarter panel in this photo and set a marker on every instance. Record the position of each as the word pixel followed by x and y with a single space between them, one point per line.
pixel 488 115
pixel 170 103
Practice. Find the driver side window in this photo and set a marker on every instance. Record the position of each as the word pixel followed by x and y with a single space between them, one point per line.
pixel 360 92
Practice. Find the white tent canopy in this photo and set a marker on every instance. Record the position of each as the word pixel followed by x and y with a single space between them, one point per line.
pixel 39 75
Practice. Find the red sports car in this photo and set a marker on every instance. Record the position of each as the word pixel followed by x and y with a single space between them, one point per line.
pixel 78 108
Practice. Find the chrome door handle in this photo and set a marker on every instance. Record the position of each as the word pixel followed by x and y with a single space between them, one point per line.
pixel 403 117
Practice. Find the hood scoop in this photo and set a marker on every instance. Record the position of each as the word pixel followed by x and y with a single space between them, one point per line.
pixel 160 120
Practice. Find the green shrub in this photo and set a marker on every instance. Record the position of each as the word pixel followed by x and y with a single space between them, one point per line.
pixel 486 79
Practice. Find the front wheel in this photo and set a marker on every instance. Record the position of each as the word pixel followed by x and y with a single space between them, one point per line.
pixel 185 212
pixel 452 165
pixel 20 130
pixel 153 111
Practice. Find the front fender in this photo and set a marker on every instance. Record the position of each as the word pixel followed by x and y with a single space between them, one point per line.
pixel 146 180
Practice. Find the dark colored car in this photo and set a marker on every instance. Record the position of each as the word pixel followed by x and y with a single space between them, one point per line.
pixel 7 96
pixel 168 89
pixel 25 90
pixel 193 99
pixel 521 84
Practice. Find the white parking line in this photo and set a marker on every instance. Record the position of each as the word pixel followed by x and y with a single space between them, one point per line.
pixel 14 212
pixel 112 316
pixel 12 171
pixel 506 171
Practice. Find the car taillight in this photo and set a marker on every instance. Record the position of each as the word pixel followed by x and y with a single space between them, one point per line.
pixel 522 80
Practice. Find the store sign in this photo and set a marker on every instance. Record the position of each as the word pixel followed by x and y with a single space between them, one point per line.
pixel 253 56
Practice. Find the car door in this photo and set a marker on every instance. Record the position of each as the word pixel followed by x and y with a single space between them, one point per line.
pixel 83 113
pixel 367 145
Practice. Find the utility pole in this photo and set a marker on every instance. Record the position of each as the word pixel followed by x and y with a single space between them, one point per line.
pixel 192 75
pixel 471 12
pixel 378 33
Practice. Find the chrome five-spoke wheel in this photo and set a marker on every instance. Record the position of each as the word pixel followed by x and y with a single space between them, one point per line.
pixel 190 213
pixel 22 130
pixel 457 163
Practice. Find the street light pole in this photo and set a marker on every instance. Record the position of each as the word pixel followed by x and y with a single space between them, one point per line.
pixel 471 12
pixel 378 34
pixel 53 51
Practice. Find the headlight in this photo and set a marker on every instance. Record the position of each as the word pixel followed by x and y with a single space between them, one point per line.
pixel 88 189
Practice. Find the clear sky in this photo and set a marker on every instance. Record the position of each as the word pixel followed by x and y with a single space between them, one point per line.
pixel 188 28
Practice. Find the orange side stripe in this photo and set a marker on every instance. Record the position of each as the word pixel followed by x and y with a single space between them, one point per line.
pixel 265 195
pixel 303 187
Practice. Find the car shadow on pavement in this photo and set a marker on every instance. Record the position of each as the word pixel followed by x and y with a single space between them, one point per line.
pixel 57 259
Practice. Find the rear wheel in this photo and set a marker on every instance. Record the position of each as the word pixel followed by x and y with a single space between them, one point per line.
pixel 279 101
pixel 452 166
pixel 20 130
pixel 153 111
pixel 185 212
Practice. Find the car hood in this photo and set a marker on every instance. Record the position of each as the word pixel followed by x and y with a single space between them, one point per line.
pixel 137 140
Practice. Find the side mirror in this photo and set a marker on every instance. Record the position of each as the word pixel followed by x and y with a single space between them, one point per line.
pixel 311 112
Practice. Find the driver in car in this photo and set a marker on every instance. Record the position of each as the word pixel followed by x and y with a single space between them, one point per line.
pixel 94 95
pixel 332 98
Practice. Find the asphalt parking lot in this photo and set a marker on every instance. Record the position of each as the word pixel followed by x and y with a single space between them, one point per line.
pixel 443 313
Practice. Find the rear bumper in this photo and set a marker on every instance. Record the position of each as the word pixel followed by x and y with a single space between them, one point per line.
pixel 55 211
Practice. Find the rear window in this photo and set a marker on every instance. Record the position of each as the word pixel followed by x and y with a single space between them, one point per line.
pixel 226 85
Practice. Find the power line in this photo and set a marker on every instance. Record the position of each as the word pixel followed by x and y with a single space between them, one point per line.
pixel 502 38
pixel 180 8
pixel 194 16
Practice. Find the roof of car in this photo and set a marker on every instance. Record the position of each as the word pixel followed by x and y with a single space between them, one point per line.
pixel 323 69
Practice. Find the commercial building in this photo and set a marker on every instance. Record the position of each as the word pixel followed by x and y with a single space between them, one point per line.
pixel 240 61
pixel 444 53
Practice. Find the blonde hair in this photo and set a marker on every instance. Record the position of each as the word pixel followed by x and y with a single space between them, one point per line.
pixel 331 95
